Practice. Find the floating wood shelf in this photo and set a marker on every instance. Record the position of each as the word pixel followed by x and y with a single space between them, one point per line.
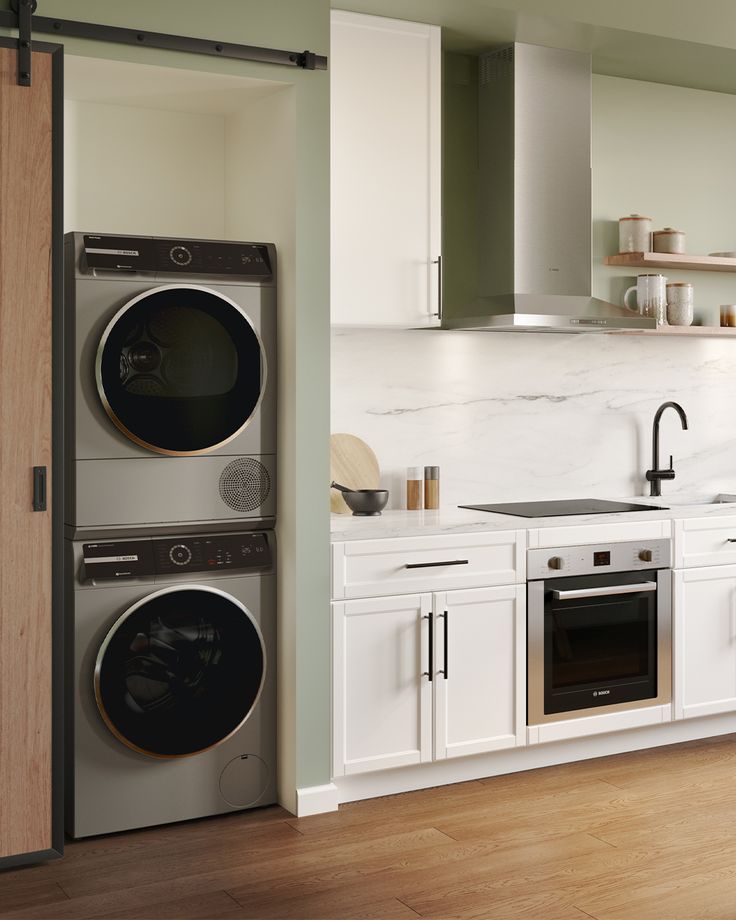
pixel 671 260
pixel 703 332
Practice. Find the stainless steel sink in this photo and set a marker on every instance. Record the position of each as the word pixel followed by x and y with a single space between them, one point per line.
pixel 687 501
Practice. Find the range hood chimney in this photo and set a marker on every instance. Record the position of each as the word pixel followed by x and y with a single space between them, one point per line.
pixel 534 108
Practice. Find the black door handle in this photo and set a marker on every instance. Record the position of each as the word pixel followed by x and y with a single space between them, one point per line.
pixel 431 646
pixel 39 488
pixel 444 617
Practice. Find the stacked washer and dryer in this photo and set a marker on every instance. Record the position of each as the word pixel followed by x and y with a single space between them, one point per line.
pixel 169 508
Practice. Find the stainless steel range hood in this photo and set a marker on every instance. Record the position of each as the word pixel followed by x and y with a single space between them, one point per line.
pixel 535 197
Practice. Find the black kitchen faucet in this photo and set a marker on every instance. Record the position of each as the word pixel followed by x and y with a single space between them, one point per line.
pixel 655 475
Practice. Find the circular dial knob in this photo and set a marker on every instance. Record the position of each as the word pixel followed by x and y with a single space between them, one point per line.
pixel 646 555
pixel 180 554
pixel 180 255
pixel 556 562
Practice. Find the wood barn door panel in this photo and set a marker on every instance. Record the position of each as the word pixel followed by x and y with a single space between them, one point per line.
pixel 26 167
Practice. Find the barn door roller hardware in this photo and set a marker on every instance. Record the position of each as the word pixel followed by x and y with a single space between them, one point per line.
pixel 24 10
pixel 21 17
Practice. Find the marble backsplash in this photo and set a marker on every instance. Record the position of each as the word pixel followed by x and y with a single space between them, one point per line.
pixel 512 416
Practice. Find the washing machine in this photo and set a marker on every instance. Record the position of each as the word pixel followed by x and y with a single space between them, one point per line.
pixel 170 382
pixel 171 695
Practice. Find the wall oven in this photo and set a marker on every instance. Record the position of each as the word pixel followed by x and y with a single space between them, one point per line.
pixel 599 629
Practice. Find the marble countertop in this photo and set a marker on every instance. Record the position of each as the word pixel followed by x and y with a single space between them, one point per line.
pixel 459 520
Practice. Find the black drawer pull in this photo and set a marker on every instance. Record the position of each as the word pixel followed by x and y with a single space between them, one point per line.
pixel 39 488
pixel 428 565
pixel 731 540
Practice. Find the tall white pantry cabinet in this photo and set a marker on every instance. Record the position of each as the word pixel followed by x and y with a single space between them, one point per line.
pixel 385 85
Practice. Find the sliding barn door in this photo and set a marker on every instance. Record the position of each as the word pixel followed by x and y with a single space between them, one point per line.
pixel 30 488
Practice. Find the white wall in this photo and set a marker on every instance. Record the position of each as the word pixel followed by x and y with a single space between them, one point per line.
pixel 516 416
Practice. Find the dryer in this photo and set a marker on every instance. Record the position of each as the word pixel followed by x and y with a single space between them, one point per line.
pixel 171 706
pixel 171 369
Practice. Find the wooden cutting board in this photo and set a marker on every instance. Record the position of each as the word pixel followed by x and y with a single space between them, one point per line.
pixel 352 464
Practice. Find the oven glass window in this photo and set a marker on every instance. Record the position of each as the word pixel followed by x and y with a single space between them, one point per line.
pixel 596 644
pixel 599 650
pixel 180 370
pixel 179 673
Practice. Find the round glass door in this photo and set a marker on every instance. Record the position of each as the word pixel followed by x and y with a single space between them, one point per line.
pixel 180 671
pixel 180 370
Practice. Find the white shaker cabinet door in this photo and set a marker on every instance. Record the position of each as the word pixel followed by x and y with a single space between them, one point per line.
pixel 382 701
pixel 480 670
pixel 385 170
pixel 705 641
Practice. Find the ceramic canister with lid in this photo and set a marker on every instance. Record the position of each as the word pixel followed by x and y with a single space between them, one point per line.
pixel 668 240
pixel 634 233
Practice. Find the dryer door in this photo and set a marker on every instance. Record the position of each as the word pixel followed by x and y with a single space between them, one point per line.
pixel 180 671
pixel 180 369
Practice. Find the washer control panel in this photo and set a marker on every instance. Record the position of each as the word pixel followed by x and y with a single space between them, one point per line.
pixel 153 556
pixel 214 553
pixel 192 257
pixel 593 559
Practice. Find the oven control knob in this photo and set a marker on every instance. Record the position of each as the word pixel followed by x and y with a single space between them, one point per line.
pixel 556 562
pixel 646 555
pixel 180 554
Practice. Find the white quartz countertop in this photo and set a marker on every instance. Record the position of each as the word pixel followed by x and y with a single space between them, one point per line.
pixel 460 520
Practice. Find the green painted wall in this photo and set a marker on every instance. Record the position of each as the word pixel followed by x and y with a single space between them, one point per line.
pixel 304 327
pixel 666 152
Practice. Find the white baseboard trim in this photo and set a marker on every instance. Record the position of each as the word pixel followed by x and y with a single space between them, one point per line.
pixel 316 800
pixel 356 787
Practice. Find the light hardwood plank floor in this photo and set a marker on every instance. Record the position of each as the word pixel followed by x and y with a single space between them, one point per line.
pixel 649 835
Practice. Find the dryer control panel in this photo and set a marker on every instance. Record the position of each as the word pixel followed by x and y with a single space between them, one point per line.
pixel 188 257
pixel 172 555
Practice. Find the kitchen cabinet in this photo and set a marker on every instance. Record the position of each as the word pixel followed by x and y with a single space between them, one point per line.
pixel 387 710
pixel 400 565
pixel 480 670
pixel 385 171
pixel 382 697
pixel 705 641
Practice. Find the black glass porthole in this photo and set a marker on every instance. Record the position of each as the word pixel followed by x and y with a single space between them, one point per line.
pixel 179 672
pixel 180 370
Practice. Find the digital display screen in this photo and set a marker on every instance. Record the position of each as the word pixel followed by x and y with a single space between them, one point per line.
pixel 602 558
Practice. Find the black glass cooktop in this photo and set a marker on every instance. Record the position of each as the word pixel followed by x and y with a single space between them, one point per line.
pixel 563 508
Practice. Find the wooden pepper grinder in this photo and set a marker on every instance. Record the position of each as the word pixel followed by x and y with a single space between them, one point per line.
pixel 414 488
pixel 431 488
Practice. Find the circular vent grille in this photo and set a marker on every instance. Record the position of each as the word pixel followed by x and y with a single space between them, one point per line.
pixel 245 484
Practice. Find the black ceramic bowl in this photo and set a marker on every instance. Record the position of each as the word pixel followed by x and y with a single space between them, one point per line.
pixel 365 502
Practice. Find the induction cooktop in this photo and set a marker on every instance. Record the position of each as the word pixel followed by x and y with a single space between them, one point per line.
pixel 563 508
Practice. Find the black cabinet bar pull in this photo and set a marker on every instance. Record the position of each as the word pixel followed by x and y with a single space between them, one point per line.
pixel 731 540
pixel 39 488
pixel 428 565
pixel 431 646
pixel 444 671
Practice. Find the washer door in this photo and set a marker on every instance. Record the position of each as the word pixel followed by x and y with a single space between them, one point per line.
pixel 180 671
pixel 180 369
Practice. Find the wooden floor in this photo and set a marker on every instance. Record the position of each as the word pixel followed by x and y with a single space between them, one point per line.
pixel 643 836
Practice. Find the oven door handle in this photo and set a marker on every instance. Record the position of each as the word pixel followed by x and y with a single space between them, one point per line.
pixel 604 591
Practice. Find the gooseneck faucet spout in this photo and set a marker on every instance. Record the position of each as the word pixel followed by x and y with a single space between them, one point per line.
pixel 656 475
